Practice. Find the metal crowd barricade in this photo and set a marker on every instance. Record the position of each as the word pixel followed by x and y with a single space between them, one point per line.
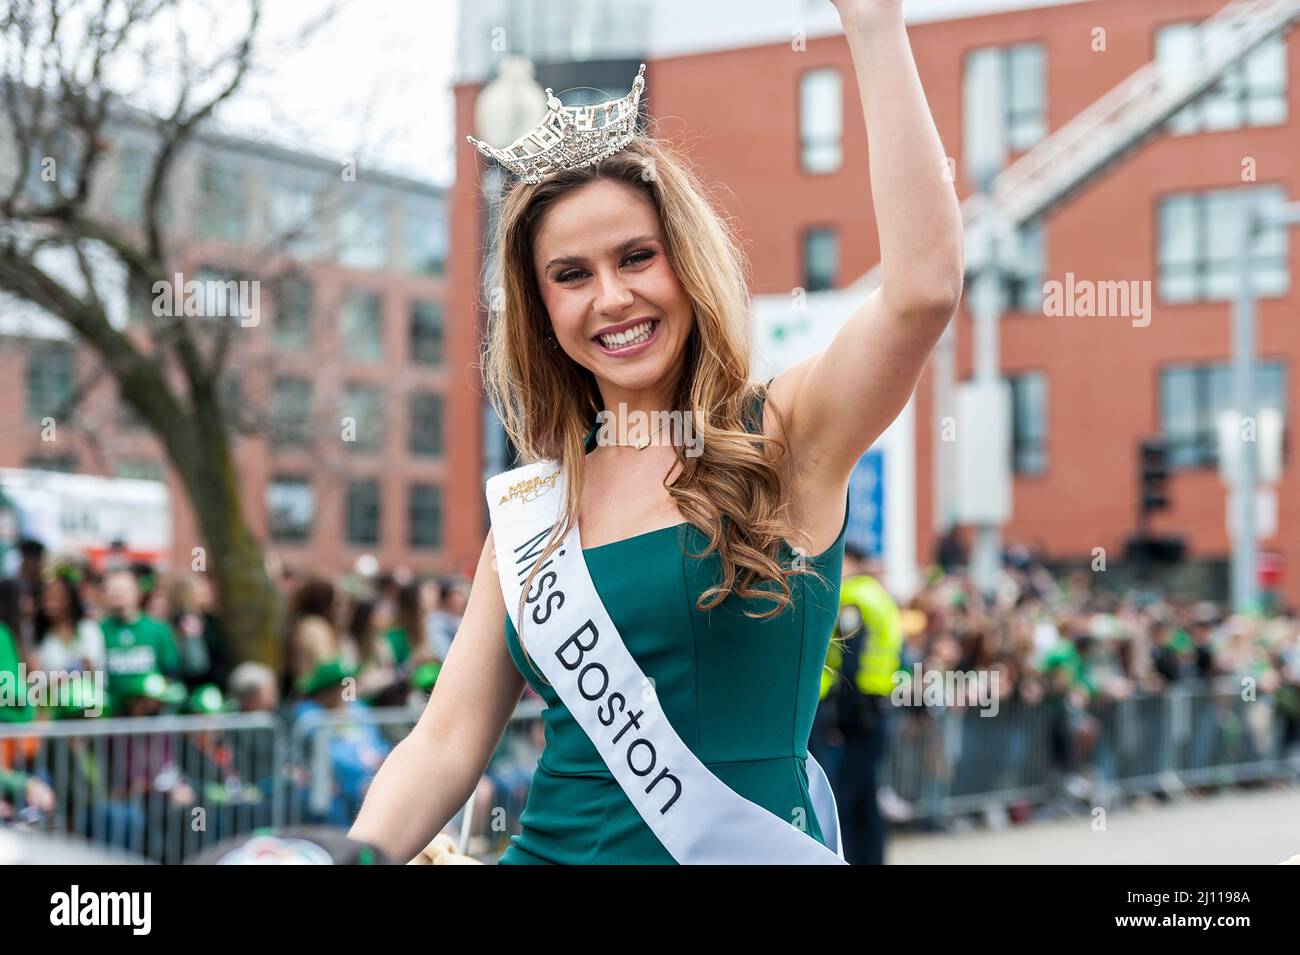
pixel 332 755
pixel 160 787
pixel 166 787
pixel 949 761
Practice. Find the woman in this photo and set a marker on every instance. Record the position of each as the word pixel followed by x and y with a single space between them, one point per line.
pixel 701 561
pixel 197 631
pixel 377 665
pixel 406 628
pixel 67 640
pixel 311 638
pixel 14 706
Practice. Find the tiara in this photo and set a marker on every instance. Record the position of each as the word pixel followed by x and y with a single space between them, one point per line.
pixel 570 136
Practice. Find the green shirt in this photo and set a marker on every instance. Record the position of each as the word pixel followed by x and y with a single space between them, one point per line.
pixel 143 646
pixel 397 639
pixel 1064 654
pixel 10 689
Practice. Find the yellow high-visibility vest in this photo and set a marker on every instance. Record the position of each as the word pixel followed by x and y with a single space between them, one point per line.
pixel 880 653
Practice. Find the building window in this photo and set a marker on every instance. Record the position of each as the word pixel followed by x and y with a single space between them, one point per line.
pixel 229 294
pixel 1191 399
pixel 1252 92
pixel 365 233
pixel 291 411
pixel 51 380
pixel 128 419
pixel 230 395
pixel 293 305
pixel 1201 235
pixel 223 203
pixel 1004 104
pixel 1028 422
pixel 363 512
pixel 363 411
pixel 54 167
pixel 289 508
pixel 63 463
pixel 426 424
pixel 363 327
pixel 821 120
pixel 132 182
pixel 293 216
pixel 1022 282
pixel 424 516
pixel 141 469
pixel 425 246
pixel 821 255
pixel 426 333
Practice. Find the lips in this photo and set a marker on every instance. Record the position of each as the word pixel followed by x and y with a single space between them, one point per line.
pixel 621 327
pixel 631 351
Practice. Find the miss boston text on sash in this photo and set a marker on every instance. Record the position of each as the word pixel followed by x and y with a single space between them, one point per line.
pixel 581 654
pixel 568 632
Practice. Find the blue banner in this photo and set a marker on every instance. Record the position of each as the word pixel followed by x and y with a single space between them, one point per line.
pixel 867 504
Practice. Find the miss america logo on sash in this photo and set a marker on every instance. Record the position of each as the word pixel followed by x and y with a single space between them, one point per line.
pixel 570 635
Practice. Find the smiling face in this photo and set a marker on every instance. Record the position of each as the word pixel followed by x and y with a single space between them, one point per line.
pixel 602 270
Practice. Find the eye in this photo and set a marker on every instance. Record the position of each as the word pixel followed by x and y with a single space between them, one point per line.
pixel 638 257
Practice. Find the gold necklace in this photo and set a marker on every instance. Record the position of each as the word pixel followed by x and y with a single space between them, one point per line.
pixel 641 442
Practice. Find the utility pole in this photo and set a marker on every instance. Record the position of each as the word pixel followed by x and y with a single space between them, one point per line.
pixel 1245 577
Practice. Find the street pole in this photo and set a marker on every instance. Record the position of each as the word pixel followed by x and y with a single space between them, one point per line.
pixel 505 109
pixel 1245 557
pixel 1244 577
pixel 986 310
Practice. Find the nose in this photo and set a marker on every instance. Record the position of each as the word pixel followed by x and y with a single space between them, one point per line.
pixel 612 294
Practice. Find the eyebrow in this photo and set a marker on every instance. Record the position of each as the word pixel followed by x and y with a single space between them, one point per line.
pixel 581 260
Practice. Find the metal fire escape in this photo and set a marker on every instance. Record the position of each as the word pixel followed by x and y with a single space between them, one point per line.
pixel 1045 177
pixel 1123 119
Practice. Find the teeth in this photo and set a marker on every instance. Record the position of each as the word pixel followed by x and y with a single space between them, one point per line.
pixel 632 336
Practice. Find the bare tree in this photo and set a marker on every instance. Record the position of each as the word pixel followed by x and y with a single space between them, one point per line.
pixel 65 71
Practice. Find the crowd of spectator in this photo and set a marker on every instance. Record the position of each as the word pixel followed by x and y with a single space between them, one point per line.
pixel 79 641
pixel 1091 670
pixel 140 643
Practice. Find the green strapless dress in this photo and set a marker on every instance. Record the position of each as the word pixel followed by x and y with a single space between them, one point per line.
pixel 741 693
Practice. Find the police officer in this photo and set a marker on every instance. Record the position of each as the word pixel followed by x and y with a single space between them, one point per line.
pixel 864 654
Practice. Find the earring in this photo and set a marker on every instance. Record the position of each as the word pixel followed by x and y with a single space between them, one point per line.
pixel 551 338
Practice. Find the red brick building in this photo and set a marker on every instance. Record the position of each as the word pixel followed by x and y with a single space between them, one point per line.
pixel 1087 390
pixel 351 327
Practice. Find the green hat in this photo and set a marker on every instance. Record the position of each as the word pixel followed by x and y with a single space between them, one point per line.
pixel 326 674
pixel 425 675
pixel 207 699
pixel 154 686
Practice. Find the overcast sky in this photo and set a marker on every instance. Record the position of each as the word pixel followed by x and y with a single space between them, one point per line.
pixel 374 85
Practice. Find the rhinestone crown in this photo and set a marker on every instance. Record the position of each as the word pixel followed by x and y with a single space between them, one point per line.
pixel 570 136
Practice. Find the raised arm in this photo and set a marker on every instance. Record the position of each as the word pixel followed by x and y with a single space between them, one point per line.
pixel 837 403
pixel 430 774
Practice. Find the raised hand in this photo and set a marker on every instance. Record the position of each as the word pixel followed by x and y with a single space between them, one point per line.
pixel 858 15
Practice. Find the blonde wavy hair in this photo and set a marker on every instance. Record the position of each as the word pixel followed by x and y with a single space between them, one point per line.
pixel 734 493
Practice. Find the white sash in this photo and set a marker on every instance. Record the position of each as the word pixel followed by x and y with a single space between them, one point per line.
pixel 569 635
